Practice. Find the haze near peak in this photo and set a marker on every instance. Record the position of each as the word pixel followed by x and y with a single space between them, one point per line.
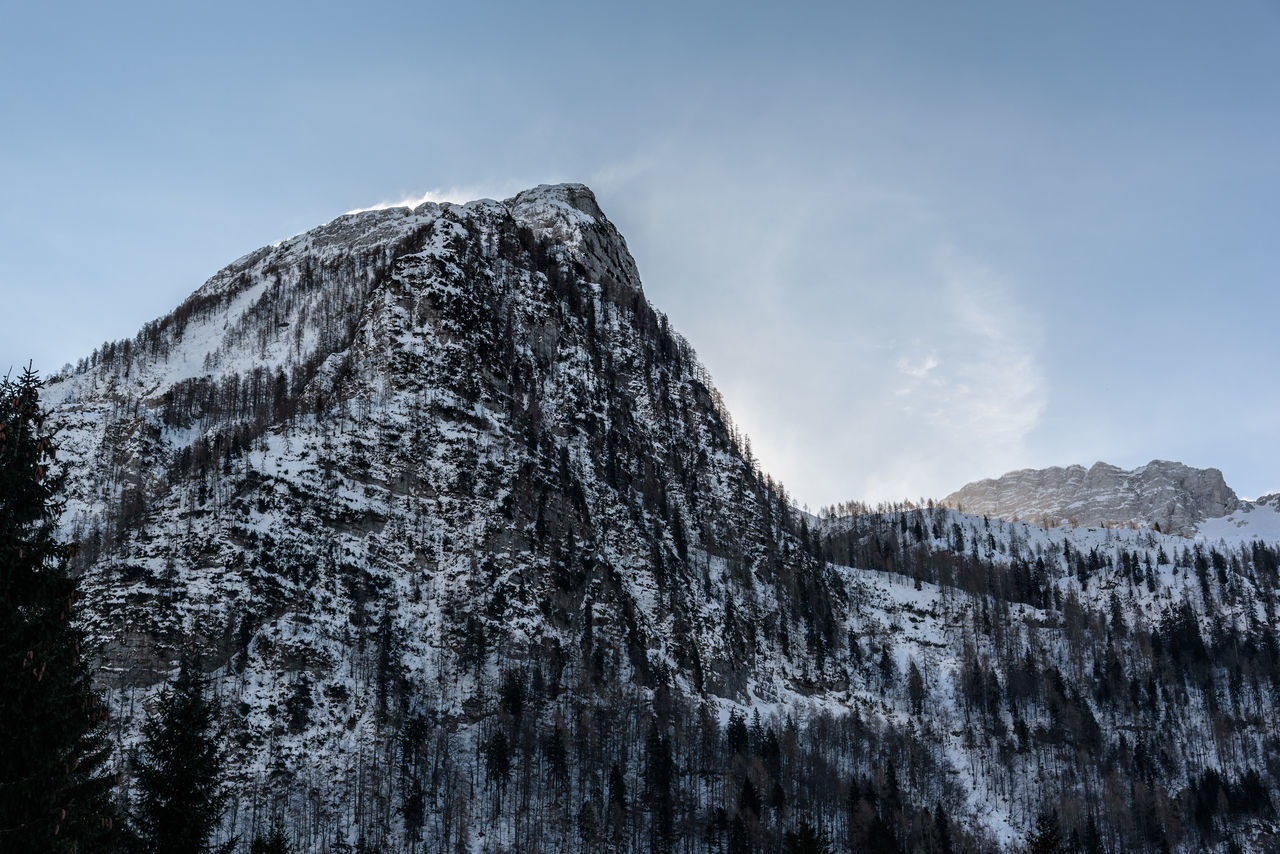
pixel 818 197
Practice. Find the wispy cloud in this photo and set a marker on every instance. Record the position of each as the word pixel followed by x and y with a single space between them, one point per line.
pixel 456 195
pixel 970 387
pixel 881 369
pixel 917 368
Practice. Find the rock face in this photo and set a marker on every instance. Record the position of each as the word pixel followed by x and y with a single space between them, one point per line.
pixel 414 445
pixel 1172 495
pixel 464 421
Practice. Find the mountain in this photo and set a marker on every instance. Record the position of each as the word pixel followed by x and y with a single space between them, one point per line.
pixel 445 407
pixel 477 560
pixel 1170 495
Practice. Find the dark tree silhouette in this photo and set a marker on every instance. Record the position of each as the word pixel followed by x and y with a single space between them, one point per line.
pixel 1047 837
pixel 273 842
pixel 805 840
pixel 181 796
pixel 54 794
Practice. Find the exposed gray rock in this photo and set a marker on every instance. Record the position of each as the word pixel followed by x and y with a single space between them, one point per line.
pixel 1169 494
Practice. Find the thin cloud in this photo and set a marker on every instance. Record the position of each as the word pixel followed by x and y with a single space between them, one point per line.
pixel 974 399
pixel 918 369
pixel 454 195
pixel 867 373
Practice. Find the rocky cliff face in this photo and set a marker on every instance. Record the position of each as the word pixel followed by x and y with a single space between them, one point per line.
pixel 417 446
pixel 464 421
pixel 1171 495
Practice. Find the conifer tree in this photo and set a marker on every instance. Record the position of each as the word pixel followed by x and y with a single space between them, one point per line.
pixel 805 840
pixel 942 827
pixel 273 842
pixel 915 689
pixel 181 796
pixel 659 773
pixel 1047 837
pixel 54 793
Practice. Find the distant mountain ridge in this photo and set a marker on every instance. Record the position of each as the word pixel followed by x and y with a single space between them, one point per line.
pixel 1174 496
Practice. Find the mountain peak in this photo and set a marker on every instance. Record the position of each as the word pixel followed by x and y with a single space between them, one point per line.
pixel 1169 494
pixel 577 197
pixel 568 215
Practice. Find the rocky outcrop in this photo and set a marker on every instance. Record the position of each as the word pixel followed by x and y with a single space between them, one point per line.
pixel 459 427
pixel 1168 494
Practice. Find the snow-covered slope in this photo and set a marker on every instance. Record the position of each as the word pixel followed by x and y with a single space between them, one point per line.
pixel 979 604
pixel 1250 520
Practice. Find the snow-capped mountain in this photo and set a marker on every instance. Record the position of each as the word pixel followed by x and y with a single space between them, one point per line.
pixel 477 561
pixel 1170 495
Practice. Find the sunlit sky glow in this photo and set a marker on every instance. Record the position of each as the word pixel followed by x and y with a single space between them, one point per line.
pixel 915 243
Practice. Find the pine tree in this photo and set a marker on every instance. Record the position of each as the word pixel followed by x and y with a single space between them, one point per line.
pixel 1046 838
pixel 659 773
pixel 888 670
pixel 943 829
pixel 181 797
pixel 617 810
pixel 915 689
pixel 805 840
pixel 498 754
pixel 54 793
pixel 273 842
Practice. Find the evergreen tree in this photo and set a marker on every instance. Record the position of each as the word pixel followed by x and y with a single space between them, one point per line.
pixel 1092 838
pixel 273 842
pixel 942 827
pixel 736 733
pixel 659 773
pixel 498 752
pixel 805 840
pixel 54 794
pixel 181 797
pixel 1047 837
pixel 617 816
pixel 888 669
pixel 915 689
pixel 739 836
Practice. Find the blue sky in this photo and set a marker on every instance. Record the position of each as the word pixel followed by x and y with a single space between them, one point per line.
pixel 916 244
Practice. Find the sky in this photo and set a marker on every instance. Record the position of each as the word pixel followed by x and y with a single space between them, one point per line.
pixel 916 244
